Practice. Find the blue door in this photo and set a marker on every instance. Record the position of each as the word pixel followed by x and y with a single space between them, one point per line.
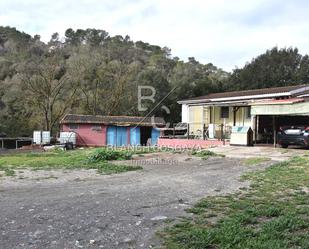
pixel 111 135
pixel 135 136
pixel 155 134
pixel 121 136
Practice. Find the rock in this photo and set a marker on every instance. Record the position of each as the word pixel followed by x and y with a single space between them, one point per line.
pixel 159 217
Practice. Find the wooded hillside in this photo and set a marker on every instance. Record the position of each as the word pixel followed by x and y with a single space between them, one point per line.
pixel 91 72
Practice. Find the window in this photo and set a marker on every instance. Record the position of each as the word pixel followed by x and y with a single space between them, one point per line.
pixel 73 126
pixel 97 128
pixel 224 112
pixel 248 112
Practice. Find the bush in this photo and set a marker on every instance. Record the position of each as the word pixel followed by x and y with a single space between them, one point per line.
pixel 205 154
pixel 108 155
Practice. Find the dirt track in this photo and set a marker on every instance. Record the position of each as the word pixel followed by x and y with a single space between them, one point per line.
pixel 112 211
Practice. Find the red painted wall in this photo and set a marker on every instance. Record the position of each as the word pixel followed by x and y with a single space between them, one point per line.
pixel 86 136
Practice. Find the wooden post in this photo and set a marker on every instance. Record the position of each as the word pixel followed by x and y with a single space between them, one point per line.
pixel 2 143
pixel 16 144
pixel 234 116
pixel 204 132
pixel 173 130
pixel 274 131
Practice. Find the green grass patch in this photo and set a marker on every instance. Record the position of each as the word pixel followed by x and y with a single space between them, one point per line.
pixel 76 159
pixel 205 154
pixel 100 155
pixel 9 172
pixel 256 160
pixel 272 213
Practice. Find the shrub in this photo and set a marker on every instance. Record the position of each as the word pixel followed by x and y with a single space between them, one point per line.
pixel 108 155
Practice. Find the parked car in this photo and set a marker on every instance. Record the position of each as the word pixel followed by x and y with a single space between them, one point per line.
pixel 293 135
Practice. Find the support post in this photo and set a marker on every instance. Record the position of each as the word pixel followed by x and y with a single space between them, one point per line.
pixel 256 129
pixel 2 143
pixel 274 131
pixel 173 130
pixel 204 132
pixel 235 109
pixel 188 130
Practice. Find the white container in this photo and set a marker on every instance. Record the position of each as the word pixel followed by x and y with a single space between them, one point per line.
pixel 45 137
pixel 241 135
pixel 37 137
pixel 67 136
pixel 211 131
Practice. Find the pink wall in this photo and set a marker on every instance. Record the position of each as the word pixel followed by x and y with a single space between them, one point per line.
pixel 188 143
pixel 86 136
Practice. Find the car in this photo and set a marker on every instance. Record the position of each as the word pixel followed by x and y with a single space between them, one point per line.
pixel 293 135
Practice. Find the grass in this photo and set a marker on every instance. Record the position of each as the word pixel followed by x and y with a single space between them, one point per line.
pixel 76 159
pixel 9 172
pixel 272 213
pixel 205 154
pixel 256 160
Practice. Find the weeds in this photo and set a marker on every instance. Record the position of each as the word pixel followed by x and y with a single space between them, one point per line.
pixel 77 159
pixel 9 172
pixel 272 213
pixel 205 154
pixel 255 160
pixel 107 155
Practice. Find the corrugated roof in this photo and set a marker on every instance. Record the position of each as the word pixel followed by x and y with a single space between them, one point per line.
pixel 273 90
pixel 279 101
pixel 116 120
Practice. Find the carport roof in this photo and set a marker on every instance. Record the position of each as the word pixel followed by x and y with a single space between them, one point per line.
pixel 114 120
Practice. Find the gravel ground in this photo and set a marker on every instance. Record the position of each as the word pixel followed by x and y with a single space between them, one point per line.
pixel 110 211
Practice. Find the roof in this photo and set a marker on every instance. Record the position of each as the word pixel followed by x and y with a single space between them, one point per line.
pixel 279 101
pixel 257 93
pixel 115 120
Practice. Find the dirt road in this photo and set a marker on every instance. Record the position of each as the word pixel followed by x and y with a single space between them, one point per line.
pixel 111 211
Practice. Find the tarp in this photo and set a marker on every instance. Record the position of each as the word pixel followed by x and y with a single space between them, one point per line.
pixel 281 109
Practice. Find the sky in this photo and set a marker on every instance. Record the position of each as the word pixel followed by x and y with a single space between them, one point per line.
pixel 227 33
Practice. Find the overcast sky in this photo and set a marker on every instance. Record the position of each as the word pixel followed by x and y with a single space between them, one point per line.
pixel 225 32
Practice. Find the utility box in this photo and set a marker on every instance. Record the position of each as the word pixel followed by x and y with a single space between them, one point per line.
pixel 242 135
pixel 37 137
pixel 67 137
pixel 41 137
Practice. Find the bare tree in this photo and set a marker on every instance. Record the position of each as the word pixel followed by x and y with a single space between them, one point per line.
pixel 49 89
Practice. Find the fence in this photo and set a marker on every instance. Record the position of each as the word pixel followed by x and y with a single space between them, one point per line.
pixel 199 131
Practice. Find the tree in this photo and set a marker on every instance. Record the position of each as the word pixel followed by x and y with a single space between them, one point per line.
pixel 49 89
pixel 276 67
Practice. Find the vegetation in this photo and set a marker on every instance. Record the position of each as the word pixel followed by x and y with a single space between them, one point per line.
pixel 205 154
pixel 107 155
pixel 90 72
pixel 276 67
pixel 78 159
pixel 256 160
pixel 272 213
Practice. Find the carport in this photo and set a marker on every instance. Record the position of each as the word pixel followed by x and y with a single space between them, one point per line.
pixel 270 115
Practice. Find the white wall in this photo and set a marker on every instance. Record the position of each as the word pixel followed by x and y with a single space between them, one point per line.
pixel 184 113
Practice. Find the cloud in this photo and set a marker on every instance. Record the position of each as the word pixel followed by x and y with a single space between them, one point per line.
pixel 226 33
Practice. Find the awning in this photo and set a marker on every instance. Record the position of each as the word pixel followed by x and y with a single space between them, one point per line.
pixel 286 108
